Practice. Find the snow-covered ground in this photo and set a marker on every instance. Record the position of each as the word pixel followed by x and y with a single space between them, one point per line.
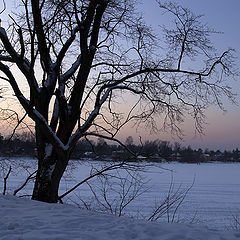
pixel 24 219
pixel 213 201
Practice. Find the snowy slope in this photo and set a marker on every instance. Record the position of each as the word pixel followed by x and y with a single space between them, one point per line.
pixel 26 219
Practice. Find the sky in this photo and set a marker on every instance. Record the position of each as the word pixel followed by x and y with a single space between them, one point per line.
pixel 222 130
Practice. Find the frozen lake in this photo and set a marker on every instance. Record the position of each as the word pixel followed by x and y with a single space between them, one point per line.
pixel 213 199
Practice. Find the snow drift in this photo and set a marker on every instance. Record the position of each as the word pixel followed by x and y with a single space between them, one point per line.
pixel 27 220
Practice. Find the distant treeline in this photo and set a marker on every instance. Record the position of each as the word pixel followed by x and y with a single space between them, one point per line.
pixel 157 150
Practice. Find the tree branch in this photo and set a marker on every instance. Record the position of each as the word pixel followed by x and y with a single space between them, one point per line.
pixel 22 63
pixel 42 44
pixel 25 183
pixel 5 180
pixel 33 113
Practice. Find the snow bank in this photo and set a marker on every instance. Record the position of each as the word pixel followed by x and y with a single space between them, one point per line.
pixel 32 220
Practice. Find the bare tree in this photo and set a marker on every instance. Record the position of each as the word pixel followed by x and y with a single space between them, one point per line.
pixel 78 58
pixel 171 203
pixel 114 193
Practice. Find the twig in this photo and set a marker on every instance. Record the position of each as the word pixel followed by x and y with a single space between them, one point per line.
pixel 112 167
pixel 4 8
pixel 24 184
pixel 5 181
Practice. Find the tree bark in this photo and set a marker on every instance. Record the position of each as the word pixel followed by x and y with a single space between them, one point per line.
pixel 49 174
pixel 52 162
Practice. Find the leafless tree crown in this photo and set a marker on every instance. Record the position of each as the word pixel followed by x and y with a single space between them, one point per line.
pixel 78 58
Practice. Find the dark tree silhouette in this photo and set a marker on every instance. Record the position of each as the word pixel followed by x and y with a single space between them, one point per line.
pixel 77 60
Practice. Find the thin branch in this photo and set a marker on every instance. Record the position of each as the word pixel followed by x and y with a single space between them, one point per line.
pixel 112 167
pixel 22 63
pixel 18 124
pixel 111 139
pixel 25 183
pixel 42 44
pixel 4 8
pixel 5 180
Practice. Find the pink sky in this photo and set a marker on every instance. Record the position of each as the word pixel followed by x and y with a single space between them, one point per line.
pixel 222 132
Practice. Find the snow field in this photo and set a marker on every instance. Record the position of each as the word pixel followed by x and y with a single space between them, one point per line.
pixel 24 219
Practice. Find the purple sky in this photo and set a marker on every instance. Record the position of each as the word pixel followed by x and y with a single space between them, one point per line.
pixel 223 129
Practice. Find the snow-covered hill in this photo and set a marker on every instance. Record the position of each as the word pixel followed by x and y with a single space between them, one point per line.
pixel 31 220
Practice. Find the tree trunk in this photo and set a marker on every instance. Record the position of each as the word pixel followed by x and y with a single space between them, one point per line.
pixel 49 174
pixel 52 163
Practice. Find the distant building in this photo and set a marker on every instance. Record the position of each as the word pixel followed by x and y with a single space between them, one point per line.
pixel 205 157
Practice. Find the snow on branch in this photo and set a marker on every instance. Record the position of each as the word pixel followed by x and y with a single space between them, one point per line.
pixel 47 129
